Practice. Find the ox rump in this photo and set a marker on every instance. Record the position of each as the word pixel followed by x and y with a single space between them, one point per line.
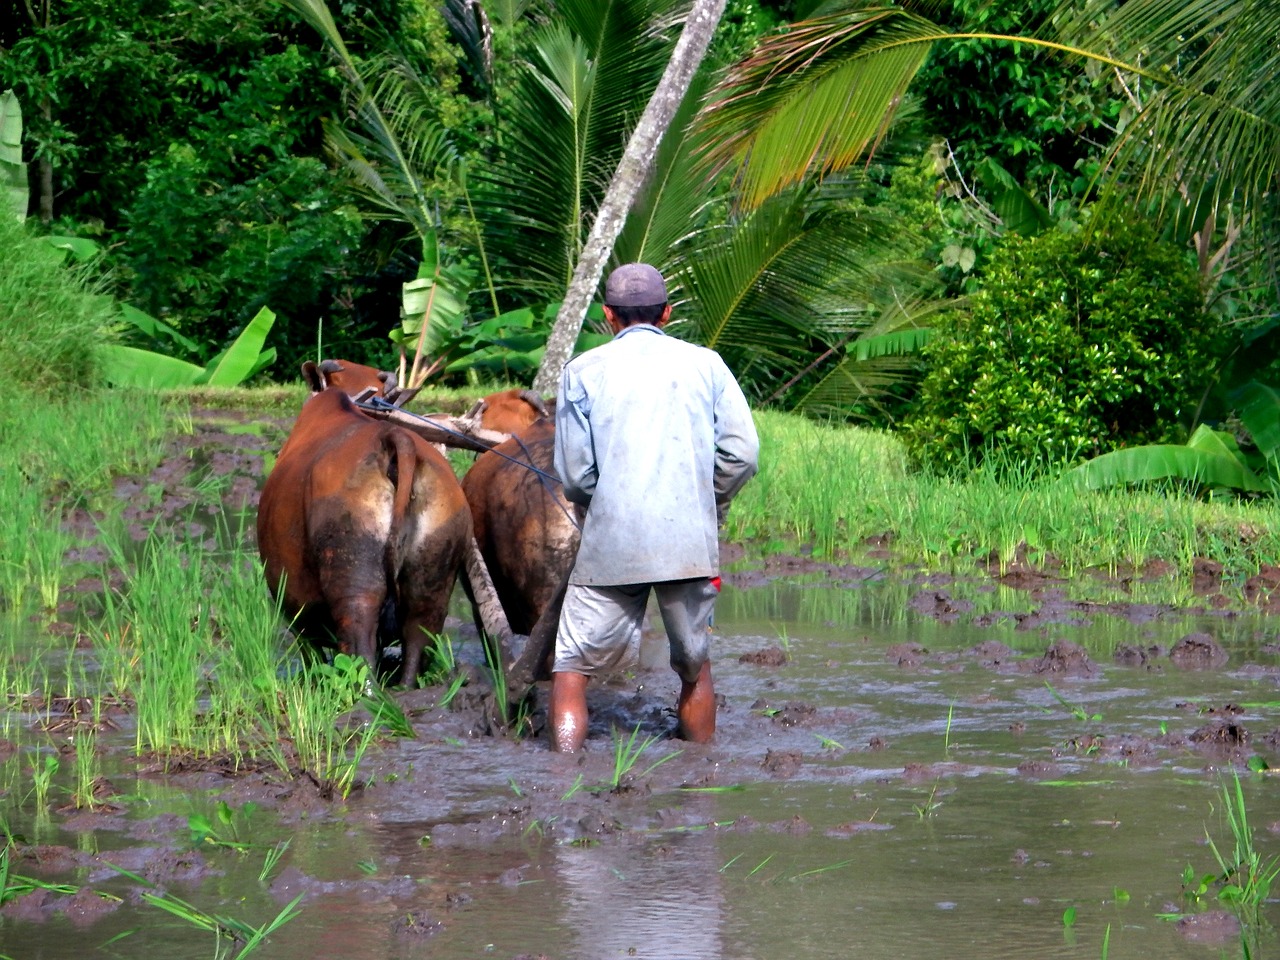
pixel 362 527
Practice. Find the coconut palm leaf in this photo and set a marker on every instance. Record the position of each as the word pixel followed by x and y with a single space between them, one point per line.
pixel 778 286
pixel 673 203
pixel 816 97
pixel 1209 130
pixel 878 362
pixel 591 70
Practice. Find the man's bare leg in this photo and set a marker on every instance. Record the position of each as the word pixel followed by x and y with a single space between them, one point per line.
pixel 696 708
pixel 567 713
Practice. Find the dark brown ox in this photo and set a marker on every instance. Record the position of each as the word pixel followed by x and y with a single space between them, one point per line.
pixel 526 529
pixel 362 526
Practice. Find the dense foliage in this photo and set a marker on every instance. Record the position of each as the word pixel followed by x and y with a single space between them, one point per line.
pixel 52 321
pixel 1075 345
pixel 233 155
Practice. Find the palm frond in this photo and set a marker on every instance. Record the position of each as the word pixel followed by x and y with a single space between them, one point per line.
pixel 815 98
pixel 590 73
pixel 778 286
pixel 1207 131
pixel 670 206
pixel 879 363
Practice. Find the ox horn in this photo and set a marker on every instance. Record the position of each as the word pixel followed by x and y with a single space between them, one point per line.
pixel 533 400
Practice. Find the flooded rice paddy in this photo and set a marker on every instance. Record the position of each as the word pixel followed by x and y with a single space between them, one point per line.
pixel 907 766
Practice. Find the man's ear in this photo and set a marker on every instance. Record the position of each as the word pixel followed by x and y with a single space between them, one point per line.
pixel 666 315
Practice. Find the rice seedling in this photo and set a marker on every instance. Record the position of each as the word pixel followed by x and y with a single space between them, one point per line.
pixel 13 885
pixel 931 804
pixel 626 753
pixel 42 773
pixel 1075 709
pixel 227 931
pixel 203 832
pixel 1245 878
pixel 88 769
pixel 577 785
pixel 330 755
pixel 1001 507
pixel 272 859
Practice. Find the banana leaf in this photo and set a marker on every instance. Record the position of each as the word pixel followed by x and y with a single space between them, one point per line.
pixel 245 356
pixel 1209 458
pixel 134 367
pixel 1260 412
pixel 156 329
pixel 13 172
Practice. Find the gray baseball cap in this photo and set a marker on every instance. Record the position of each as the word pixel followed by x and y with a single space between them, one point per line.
pixel 635 285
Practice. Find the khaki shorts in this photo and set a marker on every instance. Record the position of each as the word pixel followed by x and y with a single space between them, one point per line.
pixel 600 626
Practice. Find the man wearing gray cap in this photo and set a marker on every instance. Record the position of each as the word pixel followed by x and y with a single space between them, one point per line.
pixel 654 437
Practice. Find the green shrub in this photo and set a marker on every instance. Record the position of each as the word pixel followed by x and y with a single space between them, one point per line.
pixel 51 319
pixel 1075 345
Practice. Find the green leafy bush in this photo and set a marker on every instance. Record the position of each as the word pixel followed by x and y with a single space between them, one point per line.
pixel 1075 345
pixel 52 321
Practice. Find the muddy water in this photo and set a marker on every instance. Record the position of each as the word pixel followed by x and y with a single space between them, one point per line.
pixel 901 786
pixel 907 766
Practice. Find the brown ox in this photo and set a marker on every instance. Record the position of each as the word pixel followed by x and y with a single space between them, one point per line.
pixel 525 527
pixel 509 411
pixel 354 378
pixel 362 525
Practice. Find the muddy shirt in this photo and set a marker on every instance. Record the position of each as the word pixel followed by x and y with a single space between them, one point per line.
pixel 652 433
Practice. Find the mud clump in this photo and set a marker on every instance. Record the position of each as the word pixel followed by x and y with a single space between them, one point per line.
pixel 416 925
pixel 768 657
pixel 993 654
pixel 1206 576
pixel 1130 655
pixel 1066 659
pixel 1198 651
pixel 939 605
pixel 1221 735
pixel 783 764
pixel 1215 927
pixel 906 654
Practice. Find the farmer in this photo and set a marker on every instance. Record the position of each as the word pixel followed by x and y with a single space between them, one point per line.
pixel 654 437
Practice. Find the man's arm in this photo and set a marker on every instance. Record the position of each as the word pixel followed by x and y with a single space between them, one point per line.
pixel 737 445
pixel 574 451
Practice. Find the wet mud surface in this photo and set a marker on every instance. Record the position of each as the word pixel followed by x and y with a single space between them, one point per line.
pixel 970 737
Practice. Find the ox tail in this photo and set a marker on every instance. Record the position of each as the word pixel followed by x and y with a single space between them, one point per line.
pixel 401 470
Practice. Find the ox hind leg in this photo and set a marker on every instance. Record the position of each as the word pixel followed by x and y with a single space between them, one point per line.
pixel 425 586
pixel 354 586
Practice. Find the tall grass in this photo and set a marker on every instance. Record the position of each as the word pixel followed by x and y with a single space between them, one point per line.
pixel 52 319
pixel 834 486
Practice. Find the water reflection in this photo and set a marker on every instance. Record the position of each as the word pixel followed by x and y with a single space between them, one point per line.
pixel 664 900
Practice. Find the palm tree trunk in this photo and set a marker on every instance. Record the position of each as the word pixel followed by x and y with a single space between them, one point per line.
pixel 627 180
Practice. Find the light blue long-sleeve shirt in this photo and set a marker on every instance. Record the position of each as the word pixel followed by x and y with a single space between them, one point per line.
pixel 652 433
